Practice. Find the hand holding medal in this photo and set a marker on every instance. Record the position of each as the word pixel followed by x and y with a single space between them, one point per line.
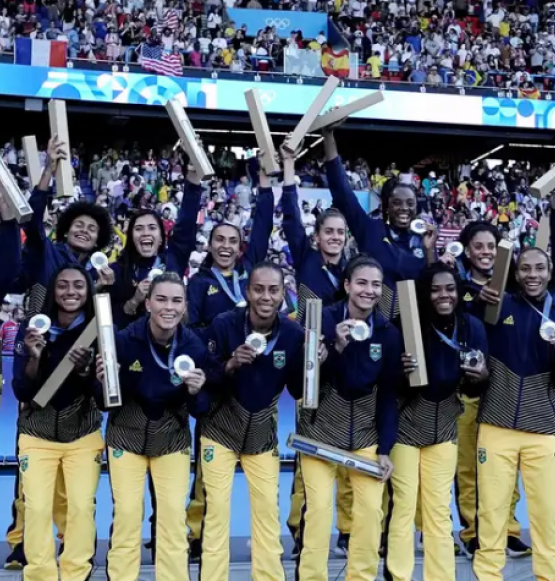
pixel 186 372
pixel 474 365
pixel 350 330
pixel 244 355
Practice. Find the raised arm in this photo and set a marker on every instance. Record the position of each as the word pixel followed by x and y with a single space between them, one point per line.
pixel 195 301
pixel 183 238
pixel 263 223
pixel 34 230
pixel 299 244
pixel 551 228
pixel 10 243
pixel 370 234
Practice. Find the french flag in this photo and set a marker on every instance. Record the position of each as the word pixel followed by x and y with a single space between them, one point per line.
pixel 40 53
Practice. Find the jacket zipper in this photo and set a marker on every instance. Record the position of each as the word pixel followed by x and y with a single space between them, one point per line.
pixel 146 437
pixel 518 402
pixel 246 433
pixel 351 436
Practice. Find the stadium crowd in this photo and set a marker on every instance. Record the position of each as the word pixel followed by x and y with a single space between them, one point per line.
pixel 455 43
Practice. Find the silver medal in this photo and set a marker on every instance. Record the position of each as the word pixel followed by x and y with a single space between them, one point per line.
pixel 182 365
pixel 99 260
pixel 257 341
pixel 547 331
pixel 360 331
pixel 474 359
pixel 419 227
pixel 155 272
pixel 455 249
pixel 40 323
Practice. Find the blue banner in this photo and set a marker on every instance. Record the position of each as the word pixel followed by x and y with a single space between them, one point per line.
pixel 120 88
pixel 309 23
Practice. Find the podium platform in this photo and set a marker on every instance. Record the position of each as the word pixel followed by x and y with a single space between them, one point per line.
pixel 516 569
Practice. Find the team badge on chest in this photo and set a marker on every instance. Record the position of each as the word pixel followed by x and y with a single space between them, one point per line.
pixel 279 359
pixel 375 351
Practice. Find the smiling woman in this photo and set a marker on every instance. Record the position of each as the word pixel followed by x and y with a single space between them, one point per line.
pixel 64 435
pixel 357 413
pixel 425 454
pixel 402 254
pixel 145 251
pixel 516 426
pixel 166 304
pixel 150 432
pixel 261 352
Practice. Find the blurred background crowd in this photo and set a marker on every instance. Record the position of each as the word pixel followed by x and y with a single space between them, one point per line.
pixel 458 43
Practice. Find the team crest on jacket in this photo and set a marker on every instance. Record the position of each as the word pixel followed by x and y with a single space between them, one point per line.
pixel 418 252
pixel 279 359
pixel 375 351
pixel 117 453
pixel 482 455
pixel 208 454
pixel 467 297
pixel 212 290
pixel 19 347
pixel 23 463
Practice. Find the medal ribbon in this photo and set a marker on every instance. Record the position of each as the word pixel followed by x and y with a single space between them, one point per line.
pixel 171 357
pixel 331 276
pixel 235 295
pixel 56 331
pixel 546 308
pixel 157 264
pixel 415 241
pixel 451 341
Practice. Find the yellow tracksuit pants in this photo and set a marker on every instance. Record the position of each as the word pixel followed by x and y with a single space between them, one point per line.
pixel 433 468
pixel 297 500
pixel 39 461
pixel 343 501
pixel 262 474
pixel 14 535
pixel 319 478
pixel 170 477
pixel 466 474
pixel 197 502
pixel 343 498
pixel 501 452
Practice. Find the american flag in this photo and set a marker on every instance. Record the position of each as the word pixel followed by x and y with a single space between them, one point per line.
pixel 171 19
pixel 154 59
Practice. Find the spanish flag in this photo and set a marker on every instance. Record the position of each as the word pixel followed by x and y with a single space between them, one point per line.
pixel 335 63
pixel 529 93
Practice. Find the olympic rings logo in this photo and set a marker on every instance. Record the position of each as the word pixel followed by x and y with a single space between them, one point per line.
pixel 267 97
pixel 279 23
